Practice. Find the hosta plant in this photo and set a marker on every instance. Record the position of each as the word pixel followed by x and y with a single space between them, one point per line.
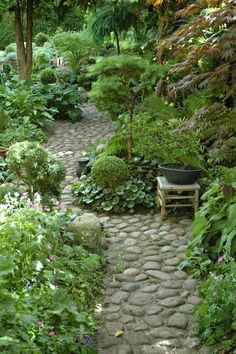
pixel 126 197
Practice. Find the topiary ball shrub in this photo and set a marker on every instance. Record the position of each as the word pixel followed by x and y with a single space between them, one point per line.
pixel 40 39
pixel 109 171
pixel 11 48
pixel 63 75
pixel 33 165
pixel 48 76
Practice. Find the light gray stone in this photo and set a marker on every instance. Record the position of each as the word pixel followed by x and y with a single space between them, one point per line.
pixel 158 274
pixel 178 320
pixel 166 332
pixel 153 309
pixel 173 301
pixel 172 261
pixel 140 299
pixel 151 265
pixel 134 249
pixel 164 293
pixel 131 272
pixel 149 288
pixel 153 320
pixel 130 286
pixel 119 297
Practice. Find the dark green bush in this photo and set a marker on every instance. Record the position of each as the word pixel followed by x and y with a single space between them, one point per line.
pixel 109 171
pixel 4 119
pixel 47 76
pixel 63 74
pixel 40 39
pixel 32 164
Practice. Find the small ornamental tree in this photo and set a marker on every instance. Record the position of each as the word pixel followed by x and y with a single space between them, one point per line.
pixel 121 81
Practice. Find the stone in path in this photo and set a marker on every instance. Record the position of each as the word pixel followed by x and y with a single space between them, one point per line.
pixel 150 301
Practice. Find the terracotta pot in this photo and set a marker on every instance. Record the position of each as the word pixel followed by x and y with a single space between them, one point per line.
pixel 3 152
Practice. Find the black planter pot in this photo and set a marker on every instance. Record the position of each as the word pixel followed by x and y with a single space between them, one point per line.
pixel 177 175
pixel 82 162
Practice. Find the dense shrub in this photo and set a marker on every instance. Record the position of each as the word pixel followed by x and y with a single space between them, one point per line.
pixel 47 76
pixel 62 98
pixel 4 171
pixel 51 285
pixel 4 119
pixel 128 196
pixel 32 164
pixel 40 39
pixel 18 131
pixel 21 103
pixel 109 171
pixel 41 61
pixel 63 74
pixel 216 315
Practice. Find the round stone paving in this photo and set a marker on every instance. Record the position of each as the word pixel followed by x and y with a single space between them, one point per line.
pixel 148 301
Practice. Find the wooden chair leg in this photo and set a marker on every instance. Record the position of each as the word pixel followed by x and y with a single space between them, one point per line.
pixel 196 201
pixel 163 204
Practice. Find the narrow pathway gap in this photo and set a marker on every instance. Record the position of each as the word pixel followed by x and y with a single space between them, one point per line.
pixel 147 300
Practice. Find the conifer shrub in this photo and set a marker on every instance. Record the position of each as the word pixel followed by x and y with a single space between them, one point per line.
pixel 109 171
pixel 48 76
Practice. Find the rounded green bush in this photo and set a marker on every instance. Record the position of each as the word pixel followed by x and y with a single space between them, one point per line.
pixel 63 75
pixel 40 39
pixel 32 164
pixel 109 171
pixel 48 76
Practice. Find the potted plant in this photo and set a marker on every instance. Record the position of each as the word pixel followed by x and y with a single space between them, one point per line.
pixel 183 158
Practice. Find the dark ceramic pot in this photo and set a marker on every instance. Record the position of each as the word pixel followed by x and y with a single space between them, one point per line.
pixel 177 175
pixel 82 162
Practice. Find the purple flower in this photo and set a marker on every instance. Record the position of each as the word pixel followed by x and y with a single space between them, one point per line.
pixel 51 257
pixel 29 286
pixel 51 334
pixel 221 259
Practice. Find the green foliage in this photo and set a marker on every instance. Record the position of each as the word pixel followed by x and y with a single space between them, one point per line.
pixel 74 46
pixel 4 120
pixel 112 18
pixel 120 81
pixel 40 61
pixel 7 30
pixel 22 104
pixel 126 197
pixel 47 76
pixel 19 130
pixel 109 171
pixel 216 316
pixel 62 98
pixel 40 39
pixel 32 164
pixel 50 285
pixel 158 140
pixel 11 48
pixel 63 75
pixel 214 228
pixel 4 172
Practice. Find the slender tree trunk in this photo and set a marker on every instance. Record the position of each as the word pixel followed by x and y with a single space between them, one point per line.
pixel 24 54
pixel 117 42
pixel 129 128
pixel 29 36
pixel 20 42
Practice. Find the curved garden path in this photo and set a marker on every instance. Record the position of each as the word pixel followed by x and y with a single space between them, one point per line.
pixel 146 298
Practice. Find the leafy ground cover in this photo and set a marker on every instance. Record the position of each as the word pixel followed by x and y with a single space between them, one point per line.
pixel 49 284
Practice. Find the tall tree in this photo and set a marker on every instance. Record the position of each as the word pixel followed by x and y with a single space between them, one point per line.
pixel 114 17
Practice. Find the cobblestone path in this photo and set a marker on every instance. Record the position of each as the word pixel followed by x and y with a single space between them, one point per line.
pixel 147 300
